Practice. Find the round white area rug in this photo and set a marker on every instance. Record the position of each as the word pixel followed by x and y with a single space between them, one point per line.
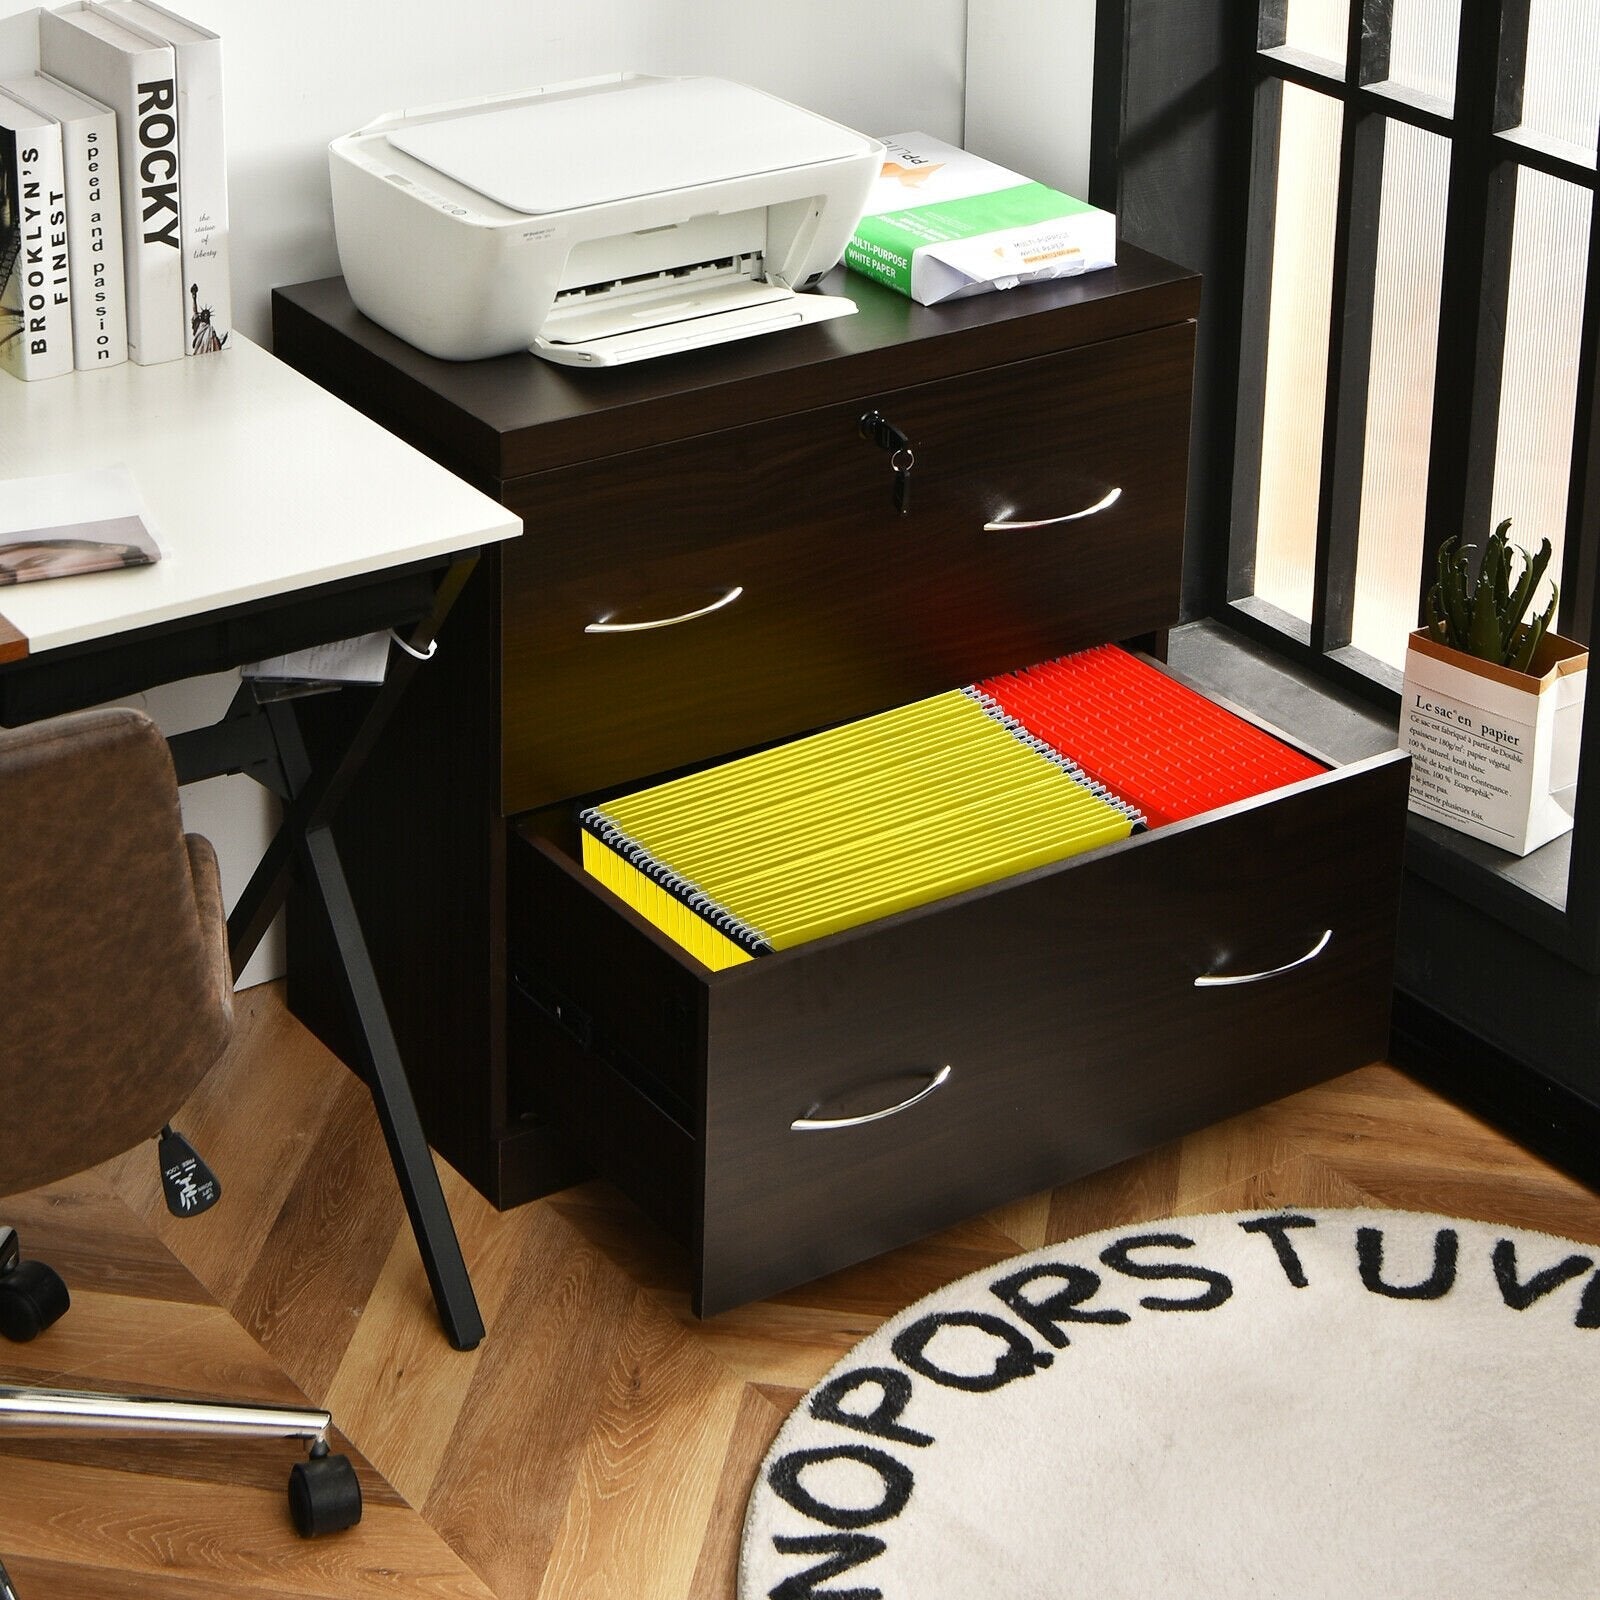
pixel 1305 1403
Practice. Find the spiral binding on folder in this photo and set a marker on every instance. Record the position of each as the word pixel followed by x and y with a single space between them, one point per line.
pixel 674 889
pixel 1049 751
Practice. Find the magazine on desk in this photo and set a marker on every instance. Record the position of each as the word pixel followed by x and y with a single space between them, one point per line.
pixel 72 522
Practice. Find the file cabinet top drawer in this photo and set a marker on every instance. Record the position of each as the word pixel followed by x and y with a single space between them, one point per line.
pixel 494 421
pixel 708 596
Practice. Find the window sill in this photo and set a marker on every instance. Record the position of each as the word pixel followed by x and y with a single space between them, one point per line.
pixel 1528 894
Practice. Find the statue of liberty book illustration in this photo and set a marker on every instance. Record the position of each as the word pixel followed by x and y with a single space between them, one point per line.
pixel 204 337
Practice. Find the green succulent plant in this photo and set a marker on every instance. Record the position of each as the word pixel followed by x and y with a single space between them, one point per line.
pixel 1483 615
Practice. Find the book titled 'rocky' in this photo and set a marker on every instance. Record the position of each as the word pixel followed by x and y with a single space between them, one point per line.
pixel 84 46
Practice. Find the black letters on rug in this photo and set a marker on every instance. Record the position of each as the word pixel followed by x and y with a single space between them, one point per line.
pixel 1309 1403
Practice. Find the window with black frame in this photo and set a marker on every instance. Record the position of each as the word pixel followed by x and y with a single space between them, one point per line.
pixel 1420 308
pixel 1393 205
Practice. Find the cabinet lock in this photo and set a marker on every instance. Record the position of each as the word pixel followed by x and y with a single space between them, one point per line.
pixel 883 433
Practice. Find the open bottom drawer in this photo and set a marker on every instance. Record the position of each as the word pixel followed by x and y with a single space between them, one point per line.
pixel 823 1104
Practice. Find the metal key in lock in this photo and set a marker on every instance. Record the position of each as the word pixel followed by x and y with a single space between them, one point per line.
pixel 883 433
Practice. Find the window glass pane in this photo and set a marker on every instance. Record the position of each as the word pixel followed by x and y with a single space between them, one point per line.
pixel 1297 349
pixel 1405 334
pixel 1311 27
pixel 1561 81
pixel 1539 372
pixel 1422 48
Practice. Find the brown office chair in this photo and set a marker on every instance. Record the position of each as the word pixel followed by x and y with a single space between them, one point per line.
pixel 116 998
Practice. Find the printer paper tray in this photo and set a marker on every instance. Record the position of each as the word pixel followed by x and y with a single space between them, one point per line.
pixel 689 322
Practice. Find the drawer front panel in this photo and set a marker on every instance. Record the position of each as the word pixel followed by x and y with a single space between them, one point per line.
pixel 675 604
pixel 1066 1009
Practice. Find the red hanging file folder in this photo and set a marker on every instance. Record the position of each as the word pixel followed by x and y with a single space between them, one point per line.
pixel 1148 738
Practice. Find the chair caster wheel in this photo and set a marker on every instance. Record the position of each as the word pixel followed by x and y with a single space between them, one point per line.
pixel 32 1297
pixel 324 1495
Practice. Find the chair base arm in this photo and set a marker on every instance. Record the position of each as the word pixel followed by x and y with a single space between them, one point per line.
pixel 47 1413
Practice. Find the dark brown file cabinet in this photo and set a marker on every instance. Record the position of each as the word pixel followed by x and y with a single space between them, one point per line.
pixel 715 558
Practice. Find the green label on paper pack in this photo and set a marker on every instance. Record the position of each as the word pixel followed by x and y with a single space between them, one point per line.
pixel 878 259
pixel 884 245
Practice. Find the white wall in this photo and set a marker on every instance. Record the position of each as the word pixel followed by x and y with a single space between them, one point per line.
pixel 1030 87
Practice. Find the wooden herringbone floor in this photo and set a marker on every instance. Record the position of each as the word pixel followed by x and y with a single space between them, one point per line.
pixel 600 1442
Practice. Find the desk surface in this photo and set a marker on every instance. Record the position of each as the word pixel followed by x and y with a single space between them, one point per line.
pixel 257 483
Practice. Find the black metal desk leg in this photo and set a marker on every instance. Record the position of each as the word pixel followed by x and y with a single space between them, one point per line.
pixel 307 819
pixel 258 903
pixel 310 799
pixel 391 1094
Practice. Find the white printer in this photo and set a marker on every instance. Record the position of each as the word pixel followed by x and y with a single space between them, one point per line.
pixel 597 222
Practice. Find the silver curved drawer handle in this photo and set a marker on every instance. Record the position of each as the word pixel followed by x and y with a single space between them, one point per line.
pixel 819 1124
pixel 666 622
pixel 1104 503
pixel 1212 981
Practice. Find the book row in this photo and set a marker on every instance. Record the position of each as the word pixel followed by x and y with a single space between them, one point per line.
pixel 113 193
pixel 924 801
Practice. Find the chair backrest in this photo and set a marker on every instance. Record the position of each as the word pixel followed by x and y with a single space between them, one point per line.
pixel 115 991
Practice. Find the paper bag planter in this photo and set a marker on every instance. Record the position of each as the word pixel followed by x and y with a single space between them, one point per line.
pixel 1494 752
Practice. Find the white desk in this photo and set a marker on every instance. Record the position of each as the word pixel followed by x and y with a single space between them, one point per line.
pixel 285 519
pixel 259 483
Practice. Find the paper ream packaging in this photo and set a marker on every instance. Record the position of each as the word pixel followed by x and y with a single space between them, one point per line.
pixel 941 223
